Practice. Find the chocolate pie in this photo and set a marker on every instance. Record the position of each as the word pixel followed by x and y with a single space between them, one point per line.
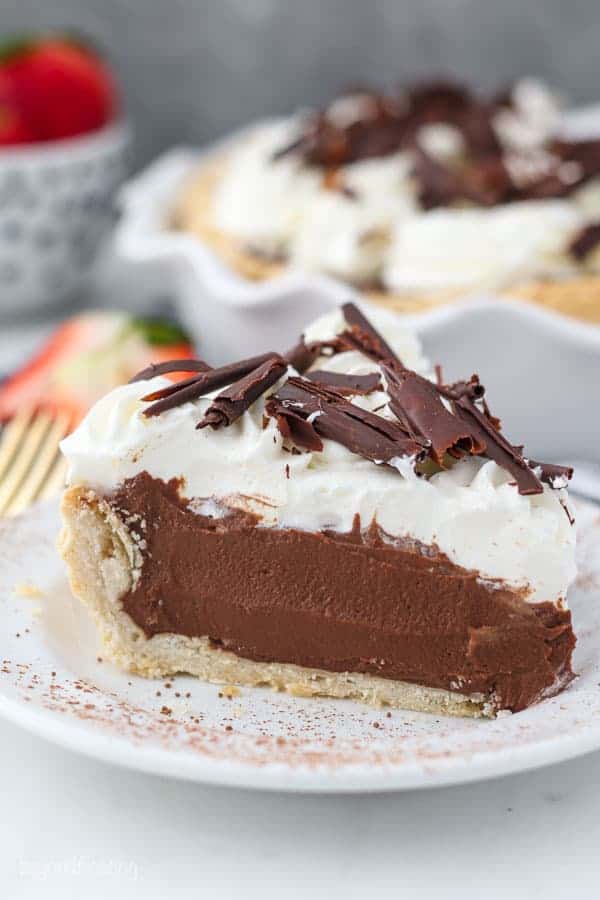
pixel 416 197
pixel 331 520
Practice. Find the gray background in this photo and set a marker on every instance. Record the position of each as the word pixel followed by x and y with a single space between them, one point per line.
pixel 192 69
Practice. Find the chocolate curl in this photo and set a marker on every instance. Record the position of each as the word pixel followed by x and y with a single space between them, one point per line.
pixel 331 416
pixel 496 446
pixel 294 428
pixel 347 384
pixel 417 404
pixel 192 388
pixel 416 401
pixel 238 397
pixel 585 241
pixel 362 336
pixel 437 185
pixel 485 182
pixel 301 356
pixel 472 388
pixel 170 365
pixel 549 472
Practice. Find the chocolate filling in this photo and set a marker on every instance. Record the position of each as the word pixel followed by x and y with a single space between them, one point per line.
pixel 351 602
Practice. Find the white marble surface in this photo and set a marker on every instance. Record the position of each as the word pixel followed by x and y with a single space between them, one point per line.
pixel 71 827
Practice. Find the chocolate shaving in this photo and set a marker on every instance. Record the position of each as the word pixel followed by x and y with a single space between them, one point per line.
pixel 585 241
pixel 347 384
pixel 192 388
pixel 550 473
pixel 433 420
pixel 438 100
pixel 386 124
pixel 171 365
pixel 362 336
pixel 417 404
pixel 495 446
pixel 301 356
pixel 233 402
pixel 331 416
pixel 293 427
pixel 483 183
pixel 471 388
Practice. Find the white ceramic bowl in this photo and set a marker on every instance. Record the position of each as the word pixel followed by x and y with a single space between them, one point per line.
pixel 56 205
pixel 541 369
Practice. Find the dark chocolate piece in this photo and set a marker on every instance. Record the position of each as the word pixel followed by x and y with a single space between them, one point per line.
pixel 484 183
pixel 388 124
pixel 171 365
pixel 235 399
pixel 417 404
pixel 331 416
pixel 309 409
pixel 585 241
pixel 466 429
pixel 347 384
pixel 496 446
pixel 550 472
pixel 301 356
pixel 193 388
pixel 363 336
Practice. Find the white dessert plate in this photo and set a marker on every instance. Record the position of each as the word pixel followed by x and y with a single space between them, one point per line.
pixel 54 682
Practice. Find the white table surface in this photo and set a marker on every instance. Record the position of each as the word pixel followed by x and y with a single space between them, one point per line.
pixel 75 828
pixel 72 827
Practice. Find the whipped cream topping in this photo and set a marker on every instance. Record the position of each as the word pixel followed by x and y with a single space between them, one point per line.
pixel 472 512
pixel 482 248
pixel 367 227
pixel 346 231
pixel 260 201
pixel 533 118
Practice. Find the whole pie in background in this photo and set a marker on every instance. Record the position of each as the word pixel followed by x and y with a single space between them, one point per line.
pixel 415 197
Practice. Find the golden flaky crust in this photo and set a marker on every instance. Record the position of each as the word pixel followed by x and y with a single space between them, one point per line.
pixel 104 559
pixel 577 296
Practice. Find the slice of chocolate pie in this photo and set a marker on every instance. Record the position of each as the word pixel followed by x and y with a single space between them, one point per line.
pixel 332 521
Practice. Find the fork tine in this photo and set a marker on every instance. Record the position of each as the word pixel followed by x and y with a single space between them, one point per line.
pixel 42 467
pixel 12 437
pixel 33 438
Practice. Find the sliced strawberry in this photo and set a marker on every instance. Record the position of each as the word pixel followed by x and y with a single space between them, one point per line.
pixel 61 88
pixel 87 357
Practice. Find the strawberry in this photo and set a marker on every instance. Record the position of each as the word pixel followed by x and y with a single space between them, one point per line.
pixel 59 87
pixel 13 128
pixel 88 356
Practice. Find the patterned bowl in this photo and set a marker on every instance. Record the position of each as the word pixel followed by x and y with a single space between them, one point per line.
pixel 56 205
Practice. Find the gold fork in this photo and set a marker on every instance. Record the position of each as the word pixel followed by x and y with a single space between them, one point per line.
pixel 31 465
